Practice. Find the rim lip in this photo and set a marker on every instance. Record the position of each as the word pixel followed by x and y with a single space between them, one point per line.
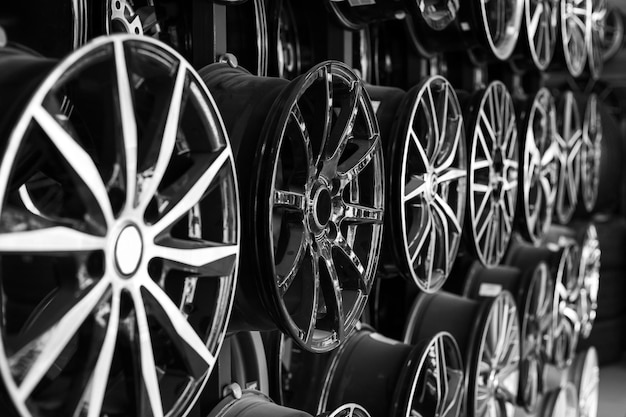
pixel 276 122
pixel 595 56
pixel 352 410
pixel 407 118
pixel 613 16
pixel 547 212
pixel 590 178
pixel 586 372
pixel 62 68
pixel 540 63
pixel 470 182
pixel 504 48
pixel 575 67
pixel 563 402
pixel 508 301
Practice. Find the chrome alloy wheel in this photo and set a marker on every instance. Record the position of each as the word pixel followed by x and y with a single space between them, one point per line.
pixel 497 377
pixel 541 29
pixel 569 137
pixel 347 410
pixel 574 19
pixel 502 20
pixel 134 211
pixel 594 36
pixel 432 186
pixel 539 173
pixel 493 174
pixel 585 375
pixel 128 16
pixel 589 281
pixel 591 153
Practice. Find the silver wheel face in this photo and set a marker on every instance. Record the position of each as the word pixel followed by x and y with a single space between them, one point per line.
pixel 589 384
pixel 433 184
pixel 496 387
pixel 350 410
pixel 502 20
pixel 566 404
pixel 565 316
pixel 541 27
pixel 493 174
pixel 589 274
pixel 326 205
pixel 139 223
pixel 126 16
pixel 540 166
pixel 574 20
pixel 594 36
pixel 438 387
pixel 591 153
pixel 569 138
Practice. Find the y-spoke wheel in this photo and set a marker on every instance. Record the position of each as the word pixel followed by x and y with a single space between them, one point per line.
pixel 594 37
pixel 493 174
pixel 539 173
pixel 347 410
pixel 561 403
pixel 541 26
pixel 132 216
pixel 502 20
pixel 573 20
pixel 569 139
pixel 403 381
pixel 585 375
pixel 428 182
pixel 591 153
pixel 315 190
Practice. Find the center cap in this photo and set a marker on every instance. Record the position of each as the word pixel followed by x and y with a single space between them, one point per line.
pixel 128 250
pixel 323 206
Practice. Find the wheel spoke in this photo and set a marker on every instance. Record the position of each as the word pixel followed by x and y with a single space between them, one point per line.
pixel 50 240
pixel 290 199
pixel 451 174
pixel 209 258
pixel 416 245
pixel 362 215
pixel 355 262
pixel 289 267
pixel 331 288
pixel 420 149
pixel 414 188
pixel 342 130
pixel 366 151
pixel 535 19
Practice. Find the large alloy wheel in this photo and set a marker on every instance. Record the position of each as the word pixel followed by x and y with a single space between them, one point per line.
pixel 541 29
pixel 493 173
pixel 573 20
pixel 539 173
pixel 119 236
pixel 402 381
pixel 502 20
pixel 569 138
pixel 585 375
pixel 594 37
pixel 314 184
pixel 428 182
pixel 591 153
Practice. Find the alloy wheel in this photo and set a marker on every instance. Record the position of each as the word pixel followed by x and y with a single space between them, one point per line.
pixel 502 20
pixel 591 153
pixel 574 19
pixel 594 37
pixel 541 27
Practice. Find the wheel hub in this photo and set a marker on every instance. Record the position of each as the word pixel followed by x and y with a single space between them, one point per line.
pixel 321 206
pixel 128 250
pixel 432 186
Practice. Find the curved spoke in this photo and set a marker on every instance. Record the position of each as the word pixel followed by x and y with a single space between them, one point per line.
pixel 204 257
pixel 51 240
pixel 361 214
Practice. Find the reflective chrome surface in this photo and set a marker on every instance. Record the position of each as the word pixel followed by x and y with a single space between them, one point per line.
pixel 502 20
pixel 348 410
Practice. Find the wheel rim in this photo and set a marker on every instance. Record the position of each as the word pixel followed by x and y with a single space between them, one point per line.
pixel 124 16
pixel 502 21
pixel 591 153
pixel 612 36
pixel 326 185
pixel 588 384
pixel 565 317
pixel 541 26
pixel 565 403
pixel 536 336
pixel 497 380
pixel 349 410
pixel 569 139
pixel 594 35
pixel 432 187
pixel 493 174
pixel 440 14
pixel 126 299
pixel 587 300
pixel 574 21
pixel 540 169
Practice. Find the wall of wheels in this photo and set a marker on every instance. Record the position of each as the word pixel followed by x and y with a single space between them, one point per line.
pixel 347 208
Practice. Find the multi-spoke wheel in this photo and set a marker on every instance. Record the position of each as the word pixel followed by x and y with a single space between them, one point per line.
pixel 573 21
pixel 53 30
pixel 569 139
pixel 562 402
pixel 493 173
pixel 427 182
pixel 487 333
pixel 313 190
pixel 585 375
pixel 251 403
pixel 594 37
pixel 347 410
pixel 540 26
pixel 119 234
pixel 400 380
pixel 591 153
pixel 539 171
pixel 136 17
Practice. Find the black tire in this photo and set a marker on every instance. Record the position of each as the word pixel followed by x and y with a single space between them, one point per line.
pixel 611 294
pixel 607 337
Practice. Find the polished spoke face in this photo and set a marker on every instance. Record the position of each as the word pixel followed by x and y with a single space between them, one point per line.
pixel 433 184
pixel 502 20
pixel 586 301
pixel 438 388
pixel 136 17
pixel 493 174
pixel 327 206
pixel 591 153
pixel 568 136
pixel 588 384
pixel 119 247
pixel 566 321
pixel 350 410
pixel 541 19
pixel 497 375
pixel 536 336
pixel 574 20
pixel 540 166
pixel 594 36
